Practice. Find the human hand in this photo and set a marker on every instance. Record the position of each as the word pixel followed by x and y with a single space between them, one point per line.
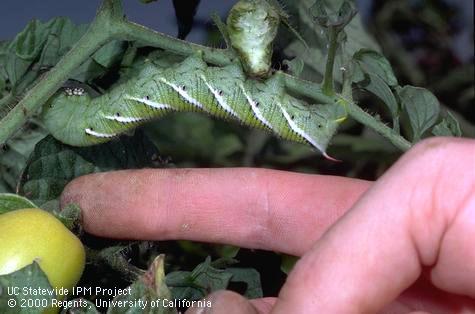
pixel 404 243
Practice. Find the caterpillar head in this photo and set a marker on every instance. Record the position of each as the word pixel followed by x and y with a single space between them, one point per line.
pixel 64 116
pixel 252 26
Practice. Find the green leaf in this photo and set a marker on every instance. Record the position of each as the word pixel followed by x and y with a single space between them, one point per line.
pixel 41 45
pixel 110 54
pixel 28 277
pixel 251 278
pixel 212 276
pixel 422 109
pixel 53 164
pixel 378 87
pixel 14 156
pixel 62 35
pixel 332 13
pixel 201 138
pixel 9 202
pixel 198 283
pixel 373 72
pixel 26 48
pixel 449 126
pixel 374 63
pixel 315 35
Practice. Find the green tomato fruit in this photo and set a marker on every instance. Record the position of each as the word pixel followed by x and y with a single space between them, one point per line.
pixel 32 234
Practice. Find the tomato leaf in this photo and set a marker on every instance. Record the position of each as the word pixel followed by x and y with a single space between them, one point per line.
pixel 13 286
pixel 449 126
pixel 14 156
pixel 375 63
pixel 53 164
pixel 9 202
pixel 212 276
pixel 422 109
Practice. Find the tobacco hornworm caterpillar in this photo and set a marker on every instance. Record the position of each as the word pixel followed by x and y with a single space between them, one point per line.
pixel 191 85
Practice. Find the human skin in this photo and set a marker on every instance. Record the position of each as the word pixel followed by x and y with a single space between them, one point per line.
pixel 405 243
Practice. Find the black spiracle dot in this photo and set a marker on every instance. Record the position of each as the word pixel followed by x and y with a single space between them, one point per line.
pixel 117 114
pixel 147 97
pixel 183 87
pixel 319 126
pixel 292 117
pixel 220 93
pixel 257 104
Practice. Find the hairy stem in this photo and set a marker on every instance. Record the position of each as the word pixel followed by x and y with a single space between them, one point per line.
pixel 306 88
pixel 327 85
pixel 365 118
pixel 132 31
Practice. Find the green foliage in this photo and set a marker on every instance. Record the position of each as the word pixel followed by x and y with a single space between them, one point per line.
pixel 39 47
pixel 21 300
pixel 449 126
pixel 354 37
pixel 9 202
pixel 14 156
pixel 52 165
pixel 422 108
pixel 212 276
pixel 23 61
pixel 374 73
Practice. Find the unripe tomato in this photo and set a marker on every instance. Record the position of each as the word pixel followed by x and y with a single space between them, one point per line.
pixel 32 234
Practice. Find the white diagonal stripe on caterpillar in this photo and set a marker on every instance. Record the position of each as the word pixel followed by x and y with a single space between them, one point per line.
pixel 220 99
pixel 98 134
pixel 150 103
pixel 255 110
pixel 183 93
pixel 122 119
pixel 294 127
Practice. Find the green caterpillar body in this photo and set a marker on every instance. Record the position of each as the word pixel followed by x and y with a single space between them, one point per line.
pixel 76 119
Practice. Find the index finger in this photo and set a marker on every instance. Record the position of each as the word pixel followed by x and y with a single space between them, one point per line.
pixel 253 208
